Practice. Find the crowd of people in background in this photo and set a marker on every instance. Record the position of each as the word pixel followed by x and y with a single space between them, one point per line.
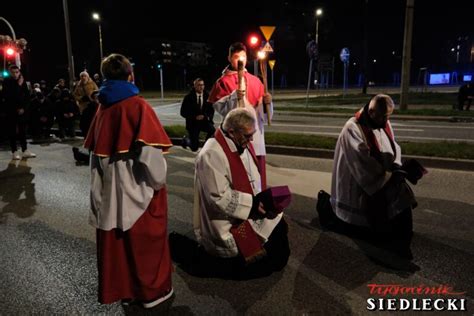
pixel 37 109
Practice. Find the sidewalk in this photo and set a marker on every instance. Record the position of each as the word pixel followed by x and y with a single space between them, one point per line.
pixel 429 162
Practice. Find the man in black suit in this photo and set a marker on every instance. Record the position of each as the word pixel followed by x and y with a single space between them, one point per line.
pixel 465 95
pixel 198 114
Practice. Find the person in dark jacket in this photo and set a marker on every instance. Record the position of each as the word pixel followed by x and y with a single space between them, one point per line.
pixel 16 97
pixel 66 114
pixel 465 95
pixel 198 113
pixel 42 116
pixel 88 113
pixel 85 122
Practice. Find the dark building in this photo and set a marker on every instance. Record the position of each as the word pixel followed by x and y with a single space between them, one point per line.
pixel 180 62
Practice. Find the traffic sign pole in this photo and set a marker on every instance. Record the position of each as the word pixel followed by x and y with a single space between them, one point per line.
pixel 344 55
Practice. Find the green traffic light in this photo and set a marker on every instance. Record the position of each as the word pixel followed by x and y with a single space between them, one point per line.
pixel 5 74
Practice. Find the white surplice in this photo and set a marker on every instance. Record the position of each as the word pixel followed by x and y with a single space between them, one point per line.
pixel 356 175
pixel 217 206
pixel 123 185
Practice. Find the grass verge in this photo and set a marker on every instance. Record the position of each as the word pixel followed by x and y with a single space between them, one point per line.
pixel 434 149
pixel 418 98
pixel 420 112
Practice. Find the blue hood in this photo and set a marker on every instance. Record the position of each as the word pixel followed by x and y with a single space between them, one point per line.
pixel 113 91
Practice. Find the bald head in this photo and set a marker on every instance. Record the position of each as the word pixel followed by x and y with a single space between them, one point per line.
pixel 380 108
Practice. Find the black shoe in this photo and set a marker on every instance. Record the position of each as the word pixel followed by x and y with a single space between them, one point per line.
pixel 75 152
pixel 79 156
pixel 184 142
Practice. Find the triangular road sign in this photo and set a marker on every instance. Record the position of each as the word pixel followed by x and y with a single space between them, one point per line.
pixel 271 63
pixel 267 48
pixel 267 31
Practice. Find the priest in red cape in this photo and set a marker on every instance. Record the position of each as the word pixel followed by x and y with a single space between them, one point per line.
pixel 128 192
pixel 226 92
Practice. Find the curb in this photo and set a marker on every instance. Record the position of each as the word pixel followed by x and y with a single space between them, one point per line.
pixel 428 162
pixel 466 119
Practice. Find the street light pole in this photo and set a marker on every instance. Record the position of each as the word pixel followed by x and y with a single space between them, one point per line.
pixel 96 17
pixel 319 12
pixel 69 46
pixel 406 54
pixel 100 41
pixel 161 84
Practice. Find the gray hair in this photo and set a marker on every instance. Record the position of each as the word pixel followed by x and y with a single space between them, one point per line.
pixel 84 73
pixel 197 80
pixel 237 119
pixel 381 101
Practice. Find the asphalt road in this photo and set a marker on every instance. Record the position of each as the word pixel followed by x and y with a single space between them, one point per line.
pixel 415 131
pixel 47 262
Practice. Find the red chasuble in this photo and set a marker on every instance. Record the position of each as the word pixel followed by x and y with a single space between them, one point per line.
pixel 134 264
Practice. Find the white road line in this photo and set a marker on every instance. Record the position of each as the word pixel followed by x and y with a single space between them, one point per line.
pixel 431 211
pixel 461 140
pixel 436 126
pixel 339 127
pixel 165 106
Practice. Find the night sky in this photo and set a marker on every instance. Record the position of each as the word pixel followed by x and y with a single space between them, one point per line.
pixel 125 23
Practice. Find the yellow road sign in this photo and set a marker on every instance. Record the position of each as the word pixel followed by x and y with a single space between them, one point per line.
pixel 267 31
pixel 271 63
pixel 267 48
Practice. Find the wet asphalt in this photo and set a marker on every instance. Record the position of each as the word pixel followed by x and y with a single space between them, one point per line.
pixel 48 260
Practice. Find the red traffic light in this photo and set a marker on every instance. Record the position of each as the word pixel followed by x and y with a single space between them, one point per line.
pixel 10 51
pixel 253 40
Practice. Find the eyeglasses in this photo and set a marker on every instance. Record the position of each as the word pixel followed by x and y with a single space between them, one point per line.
pixel 248 136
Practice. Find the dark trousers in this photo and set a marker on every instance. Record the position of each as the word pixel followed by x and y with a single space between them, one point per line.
pixel 16 131
pixel 196 129
pixel 66 127
pixel 196 261
pixel 462 100
pixel 396 238
pixel 41 129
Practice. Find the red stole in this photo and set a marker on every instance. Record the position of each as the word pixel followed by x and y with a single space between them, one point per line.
pixel 229 82
pixel 116 128
pixel 245 237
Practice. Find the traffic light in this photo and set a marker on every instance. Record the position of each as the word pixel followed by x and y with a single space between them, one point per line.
pixel 158 66
pixel 5 74
pixel 254 40
pixel 10 52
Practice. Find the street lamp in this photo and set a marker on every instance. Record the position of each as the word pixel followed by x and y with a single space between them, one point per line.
pixel 319 12
pixel 96 17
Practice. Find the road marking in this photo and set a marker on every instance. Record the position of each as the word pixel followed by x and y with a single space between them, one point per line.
pixel 431 211
pixel 459 140
pixel 436 126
